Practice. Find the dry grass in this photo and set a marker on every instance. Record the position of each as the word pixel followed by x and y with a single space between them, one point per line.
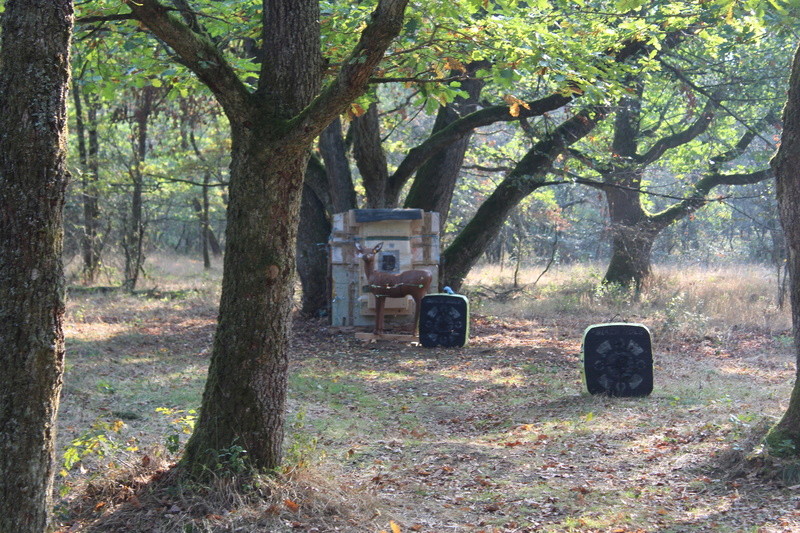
pixel 675 303
pixel 162 272
pixel 495 437
pixel 156 499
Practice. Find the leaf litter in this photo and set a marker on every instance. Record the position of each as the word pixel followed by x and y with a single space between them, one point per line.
pixel 493 437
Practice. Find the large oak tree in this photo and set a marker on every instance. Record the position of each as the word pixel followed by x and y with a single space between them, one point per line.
pixel 272 129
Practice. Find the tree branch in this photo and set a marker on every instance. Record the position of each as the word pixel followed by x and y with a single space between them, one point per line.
pixel 105 18
pixel 198 53
pixel 699 195
pixel 698 127
pixel 448 79
pixel 743 143
pixel 502 113
pixel 681 76
pixel 351 82
pixel 583 158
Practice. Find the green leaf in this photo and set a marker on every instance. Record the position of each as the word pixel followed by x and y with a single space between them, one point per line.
pixel 628 5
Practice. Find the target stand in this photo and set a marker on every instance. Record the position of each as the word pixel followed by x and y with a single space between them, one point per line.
pixel 617 360
pixel 444 320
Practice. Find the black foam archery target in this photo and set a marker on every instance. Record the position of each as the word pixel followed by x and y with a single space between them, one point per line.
pixel 444 320
pixel 617 359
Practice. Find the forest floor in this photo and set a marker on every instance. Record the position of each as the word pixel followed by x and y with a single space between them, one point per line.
pixel 493 437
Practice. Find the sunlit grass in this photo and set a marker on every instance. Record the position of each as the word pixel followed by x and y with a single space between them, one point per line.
pixel 676 301
pixel 502 422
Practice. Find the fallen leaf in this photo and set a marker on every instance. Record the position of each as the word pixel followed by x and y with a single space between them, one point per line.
pixel 292 506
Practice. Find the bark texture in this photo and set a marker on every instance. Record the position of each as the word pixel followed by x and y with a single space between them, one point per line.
pixel 244 398
pixel 34 76
pixel 785 436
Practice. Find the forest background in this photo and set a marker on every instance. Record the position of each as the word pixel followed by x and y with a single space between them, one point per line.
pixel 453 121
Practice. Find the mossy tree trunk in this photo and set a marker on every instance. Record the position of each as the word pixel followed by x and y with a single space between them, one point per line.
pixel 244 399
pixel 785 436
pixel 34 76
pixel 272 131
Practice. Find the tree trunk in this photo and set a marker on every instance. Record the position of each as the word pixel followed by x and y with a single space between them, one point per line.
pixel 784 438
pixel 326 190
pixel 435 181
pixel 205 229
pixel 91 198
pixel 202 221
pixel 312 257
pixel 312 239
pixel 371 160
pixel 244 398
pixel 272 131
pixel 90 171
pixel 632 234
pixel 203 211
pixel 133 243
pixel 337 169
pixel 34 77
pixel 631 247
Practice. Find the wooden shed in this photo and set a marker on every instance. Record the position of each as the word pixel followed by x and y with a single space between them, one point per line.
pixel 410 240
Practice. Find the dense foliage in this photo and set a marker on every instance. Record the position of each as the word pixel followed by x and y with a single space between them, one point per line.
pixel 161 140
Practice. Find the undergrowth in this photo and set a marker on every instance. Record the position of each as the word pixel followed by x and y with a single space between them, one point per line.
pixel 676 303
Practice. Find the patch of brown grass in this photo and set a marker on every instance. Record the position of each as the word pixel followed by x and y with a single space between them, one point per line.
pixel 153 496
pixel 676 302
